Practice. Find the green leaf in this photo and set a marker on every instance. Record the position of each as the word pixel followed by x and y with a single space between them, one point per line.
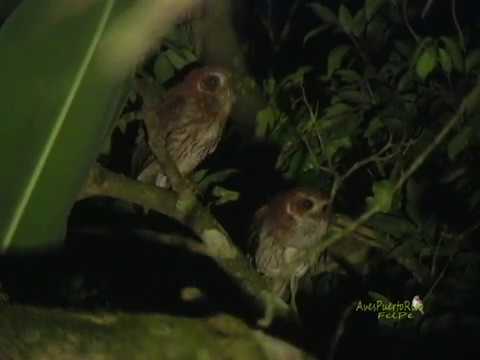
pixel 353 96
pixel 62 95
pixel 324 13
pixel 265 121
pixel 295 164
pixel 338 109
pixel 420 48
pixel 345 18
pixel 199 175
pixel 178 61
pixel 216 177
pixel 374 126
pixel 382 196
pixel 349 76
pixel 445 61
pixel 332 147
pixel 163 69
pixel 406 81
pixel 459 142
pixel 427 62
pixel 179 37
pixel 398 226
pixel 224 195
pixel 270 86
pixel 371 7
pixel 359 22
pixel 335 59
pixel 312 33
pixel 298 77
pixel 455 53
pixel 189 55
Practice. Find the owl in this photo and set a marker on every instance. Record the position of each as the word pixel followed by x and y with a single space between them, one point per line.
pixel 286 229
pixel 192 117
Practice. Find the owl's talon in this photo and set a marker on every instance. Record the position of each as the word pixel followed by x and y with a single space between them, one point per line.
pixel 272 302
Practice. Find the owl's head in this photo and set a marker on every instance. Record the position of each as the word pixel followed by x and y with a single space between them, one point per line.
pixel 214 85
pixel 305 203
pixel 296 218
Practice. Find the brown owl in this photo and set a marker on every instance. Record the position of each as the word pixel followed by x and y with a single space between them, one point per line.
pixel 192 117
pixel 286 229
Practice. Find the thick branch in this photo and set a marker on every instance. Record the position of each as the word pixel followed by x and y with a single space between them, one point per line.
pixel 35 333
pixel 102 182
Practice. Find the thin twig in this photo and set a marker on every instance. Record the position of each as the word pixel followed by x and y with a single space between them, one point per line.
pixel 468 102
pixel 436 251
pixel 440 276
pixel 426 8
pixel 340 330
pixel 313 117
pixel 373 158
pixel 407 22
pixel 457 25
pixel 288 22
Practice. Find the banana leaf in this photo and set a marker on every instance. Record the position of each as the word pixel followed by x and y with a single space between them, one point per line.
pixel 56 107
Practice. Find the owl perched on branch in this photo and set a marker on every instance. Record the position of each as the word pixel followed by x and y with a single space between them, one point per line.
pixel 286 229
pixel 191 118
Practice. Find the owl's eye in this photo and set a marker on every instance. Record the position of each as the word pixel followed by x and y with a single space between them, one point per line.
pixel 305 204
pixel 211 83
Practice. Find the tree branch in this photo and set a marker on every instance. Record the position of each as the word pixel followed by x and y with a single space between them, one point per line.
pixel 36 333
pixel 218 245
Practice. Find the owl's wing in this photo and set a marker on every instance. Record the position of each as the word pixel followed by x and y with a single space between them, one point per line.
pixel 171 109
pixel 172 116
pixel 168 108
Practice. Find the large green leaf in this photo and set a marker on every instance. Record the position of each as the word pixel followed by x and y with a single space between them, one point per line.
pixel 57 102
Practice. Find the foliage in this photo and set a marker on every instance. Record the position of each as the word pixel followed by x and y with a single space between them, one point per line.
pixel 53 109
pixel 369 111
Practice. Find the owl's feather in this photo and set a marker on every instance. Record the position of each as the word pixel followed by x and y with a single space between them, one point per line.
pixel 190 120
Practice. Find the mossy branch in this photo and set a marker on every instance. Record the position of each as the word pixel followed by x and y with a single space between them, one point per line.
pixel 36 333
pixel 217 243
